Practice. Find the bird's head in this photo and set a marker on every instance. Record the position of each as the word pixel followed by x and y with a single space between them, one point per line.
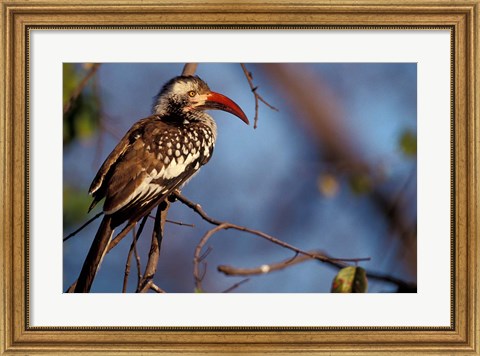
pixel 186 96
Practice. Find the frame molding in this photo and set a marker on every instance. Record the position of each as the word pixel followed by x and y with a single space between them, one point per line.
pixel 18 16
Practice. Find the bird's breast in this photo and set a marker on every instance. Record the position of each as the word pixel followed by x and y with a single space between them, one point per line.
pixel 181 149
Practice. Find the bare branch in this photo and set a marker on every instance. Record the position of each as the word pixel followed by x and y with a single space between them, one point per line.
pixel 68 105
pixel 226 225
pixel 127 264
pixel 120 236
pixel 154 254
pixel 236 285
pixel 197 256
pixel 257 96
pixel 156 288
pixel 267 268
pixel 83 226
pixel 136 236
pixel 139 267
pixel 189 68
pixel 205 254
pixel 179 223
pixel 174 222
pixel 146 286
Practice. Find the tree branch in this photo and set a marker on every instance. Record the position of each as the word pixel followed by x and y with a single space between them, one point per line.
pixel 267 268
pixel 79 88
pixel 257 96
pixel 197 256
pixel 189 68
pixel 136 236
pixel 83 226
pixel 154 254
pixel 226 225
pixel 156 288
pixel 236 285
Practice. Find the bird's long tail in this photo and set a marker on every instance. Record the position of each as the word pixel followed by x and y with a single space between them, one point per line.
pixel 95 256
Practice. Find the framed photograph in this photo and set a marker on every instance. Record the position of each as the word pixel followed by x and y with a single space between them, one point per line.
pixel 240 177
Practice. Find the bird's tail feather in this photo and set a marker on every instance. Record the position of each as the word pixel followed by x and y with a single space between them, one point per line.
pixel 95 256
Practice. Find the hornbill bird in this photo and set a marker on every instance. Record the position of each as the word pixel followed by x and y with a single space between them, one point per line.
pixel 157 155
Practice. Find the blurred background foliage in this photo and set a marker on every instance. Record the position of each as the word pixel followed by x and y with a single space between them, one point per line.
pixel 333 170
pixel 81 107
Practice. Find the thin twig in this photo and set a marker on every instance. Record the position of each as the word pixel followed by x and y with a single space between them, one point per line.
pixel 225 225
pixel 206 253
pixel 83 226
pixel 196 259
pixel 136 236
pixel 236 285
pixel 68 105
pixel 139 267
pixel 257 96
pixel 173 222
pixel 179 223
pixel 105 125
pixel 120 236
pixel 127 264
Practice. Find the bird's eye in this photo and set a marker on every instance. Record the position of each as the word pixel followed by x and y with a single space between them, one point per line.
pixel 191 93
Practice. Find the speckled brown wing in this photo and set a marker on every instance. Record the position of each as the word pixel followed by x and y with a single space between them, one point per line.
pixel 99 184
pixel 154 160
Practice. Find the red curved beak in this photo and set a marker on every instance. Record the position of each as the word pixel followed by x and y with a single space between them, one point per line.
pixel 216 101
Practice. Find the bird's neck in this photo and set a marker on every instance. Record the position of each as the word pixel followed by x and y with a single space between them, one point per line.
pixel 195 117
pixel 188 118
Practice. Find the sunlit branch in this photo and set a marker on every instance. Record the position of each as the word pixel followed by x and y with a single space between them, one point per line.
pixel 268 268
pixel 156 288
pixel 136 236
pixel 156 244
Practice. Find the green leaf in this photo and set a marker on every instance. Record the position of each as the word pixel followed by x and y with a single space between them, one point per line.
pixel 350 280
pixel 408 143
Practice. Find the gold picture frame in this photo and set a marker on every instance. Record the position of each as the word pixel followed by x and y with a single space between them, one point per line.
pixel 461 18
